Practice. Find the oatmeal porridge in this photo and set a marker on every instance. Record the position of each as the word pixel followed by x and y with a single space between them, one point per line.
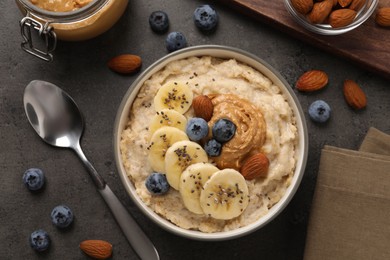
pixel 264 124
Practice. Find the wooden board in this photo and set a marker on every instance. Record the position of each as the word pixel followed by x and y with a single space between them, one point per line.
pixel 368 45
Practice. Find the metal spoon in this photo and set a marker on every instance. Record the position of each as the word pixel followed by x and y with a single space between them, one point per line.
pixel 56 118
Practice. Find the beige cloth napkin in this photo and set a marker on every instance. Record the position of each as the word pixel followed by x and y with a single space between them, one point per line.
pixel 350 214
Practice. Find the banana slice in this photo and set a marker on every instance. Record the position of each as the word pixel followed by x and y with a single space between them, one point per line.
pixel 161 140
pixel 224 195
pixel 173 95
pixel 167 117
pixel 179 156
pixel 191 184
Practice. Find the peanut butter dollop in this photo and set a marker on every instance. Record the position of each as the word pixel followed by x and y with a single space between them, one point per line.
pixel 250 129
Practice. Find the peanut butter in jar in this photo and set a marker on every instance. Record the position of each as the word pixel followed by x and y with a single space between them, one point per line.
pixel 67 20
pixel 60 5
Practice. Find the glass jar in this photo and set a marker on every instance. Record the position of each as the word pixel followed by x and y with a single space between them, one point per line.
pixel 81 24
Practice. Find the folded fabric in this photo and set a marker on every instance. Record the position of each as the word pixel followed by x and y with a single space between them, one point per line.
pixel 376 142
pixel 350 214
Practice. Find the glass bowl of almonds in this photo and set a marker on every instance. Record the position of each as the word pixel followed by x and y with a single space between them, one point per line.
pixel 331 17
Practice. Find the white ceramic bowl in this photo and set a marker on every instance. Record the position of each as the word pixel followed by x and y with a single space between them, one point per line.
pixel 220 52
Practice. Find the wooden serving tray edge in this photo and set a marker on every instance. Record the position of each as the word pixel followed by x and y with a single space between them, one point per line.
pixel 367 46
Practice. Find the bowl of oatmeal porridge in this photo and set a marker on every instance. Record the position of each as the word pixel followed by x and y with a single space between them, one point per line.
pixel 210 192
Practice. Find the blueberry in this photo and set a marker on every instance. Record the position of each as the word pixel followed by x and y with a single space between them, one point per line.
pixel 213 148
pixel 34 179
pixel 197 128
pixel 205 18
pixel 159 21
pixel 157 183
pixel 39 240
pixel 175 41
pixel 62 216
pixel 319 111
pixel 223 130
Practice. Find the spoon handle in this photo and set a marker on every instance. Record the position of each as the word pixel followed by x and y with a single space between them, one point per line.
pixel 96 177
pixel 134 234
pixel 137 238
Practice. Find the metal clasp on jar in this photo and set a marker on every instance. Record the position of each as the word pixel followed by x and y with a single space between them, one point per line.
pixel 29 25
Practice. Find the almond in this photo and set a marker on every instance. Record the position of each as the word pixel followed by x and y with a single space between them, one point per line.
pixel 357 4
pixel 383 16
pixel 255 166
pixel 312 80
pixel 125 63
pixel 344 3
pixel 203 107
pixel 302 6
pixel 354 95
pixel 320 11
pixel 341 17
pixel 98 249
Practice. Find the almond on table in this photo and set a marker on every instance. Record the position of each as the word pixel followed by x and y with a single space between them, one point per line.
pixel 312 80
pixel 382 17
pixel 125 63
pixel 98 249
pixel 354 95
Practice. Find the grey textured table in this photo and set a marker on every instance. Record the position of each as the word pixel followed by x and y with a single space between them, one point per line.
pixel 80 69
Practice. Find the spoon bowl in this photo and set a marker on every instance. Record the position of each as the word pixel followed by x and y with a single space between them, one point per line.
pixel 56 118
pixel 59 124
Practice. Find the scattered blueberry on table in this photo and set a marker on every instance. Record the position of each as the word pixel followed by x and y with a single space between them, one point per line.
pixel 34 179
pixel 223 130
pixel 197 128
pixel 175 41
pixel 205 18
pixel 157 183
pixel 159 21
pixel 319 111
pixel 62 216
pixel 213 148
pixel 39 240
